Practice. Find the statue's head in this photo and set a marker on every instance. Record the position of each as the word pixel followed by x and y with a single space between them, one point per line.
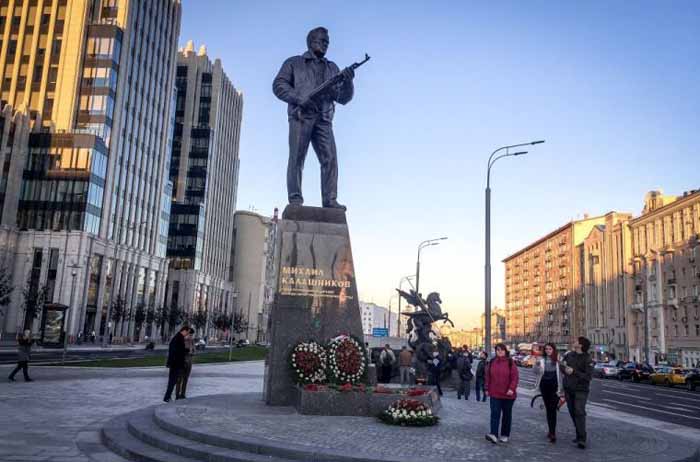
pixel 317 41
pixel 433 297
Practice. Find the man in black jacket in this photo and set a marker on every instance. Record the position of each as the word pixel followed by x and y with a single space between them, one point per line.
pixel 176 360
pixel 578 369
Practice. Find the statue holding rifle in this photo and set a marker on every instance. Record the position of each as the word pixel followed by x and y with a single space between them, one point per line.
pixel 311 85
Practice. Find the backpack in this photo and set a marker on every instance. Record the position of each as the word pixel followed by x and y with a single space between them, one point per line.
pixel 387 360
pixel 466 372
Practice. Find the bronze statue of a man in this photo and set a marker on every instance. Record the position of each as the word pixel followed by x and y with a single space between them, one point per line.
pixel 311 120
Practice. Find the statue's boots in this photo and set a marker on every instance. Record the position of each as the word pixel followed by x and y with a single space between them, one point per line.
pixel 334 204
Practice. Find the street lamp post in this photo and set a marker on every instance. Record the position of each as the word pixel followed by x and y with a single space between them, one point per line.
pixel 407 279
pixel 421 246
pixel 74 272
pixel 487 265
pixel 388 326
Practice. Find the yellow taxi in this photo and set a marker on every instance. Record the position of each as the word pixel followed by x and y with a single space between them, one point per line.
pixel 669 376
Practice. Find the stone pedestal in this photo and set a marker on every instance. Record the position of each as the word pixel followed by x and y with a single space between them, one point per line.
pixel 354 403
pixel 316 296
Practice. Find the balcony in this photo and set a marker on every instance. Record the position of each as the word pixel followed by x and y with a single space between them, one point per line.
pixel 672 301
pixel 671 281
pixel 639 307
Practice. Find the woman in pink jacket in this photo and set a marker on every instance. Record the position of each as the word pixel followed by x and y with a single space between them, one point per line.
pixel 501 382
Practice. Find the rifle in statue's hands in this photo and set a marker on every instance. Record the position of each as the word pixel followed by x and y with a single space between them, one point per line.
pixel 311 100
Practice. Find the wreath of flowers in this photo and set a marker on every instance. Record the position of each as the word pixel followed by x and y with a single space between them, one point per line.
pixel 409 412
pixel 309 362
pixel 347 362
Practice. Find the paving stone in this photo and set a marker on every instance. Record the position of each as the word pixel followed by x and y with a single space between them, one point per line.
pixel 48 418
pixel 458 437
pixel 64 409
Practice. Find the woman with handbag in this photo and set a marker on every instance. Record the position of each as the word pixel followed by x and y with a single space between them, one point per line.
pixel 550 383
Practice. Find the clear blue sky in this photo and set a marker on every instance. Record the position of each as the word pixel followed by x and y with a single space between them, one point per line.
pixel 612 87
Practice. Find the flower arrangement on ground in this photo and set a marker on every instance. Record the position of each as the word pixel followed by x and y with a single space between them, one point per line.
pixel 409 412
pixel 347 362
pixel 308 361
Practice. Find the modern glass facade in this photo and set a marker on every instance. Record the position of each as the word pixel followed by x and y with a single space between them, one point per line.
pixel 98 85
pixel 63 183
pixel 99 74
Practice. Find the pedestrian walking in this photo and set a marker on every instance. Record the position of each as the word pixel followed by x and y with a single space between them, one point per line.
pixel 386 362
pixel 480 379
pixel 549 381
pixel 469 352
pixel 93 336
pixel 176 360
pixel 405 363
pixel 435 366
pixel 181 386
pixel 24 352
pixel 577 366
pixel 501 384
pixel 464 369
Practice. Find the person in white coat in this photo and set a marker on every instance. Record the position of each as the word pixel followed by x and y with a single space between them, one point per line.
pixel 551 385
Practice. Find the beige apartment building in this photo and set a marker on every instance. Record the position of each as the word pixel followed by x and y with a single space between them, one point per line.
pixel 621 270
pixel 543 288
pixel 498 325
pixel 605 272
pixel 666 277
pixel 473 338
pixel 85 210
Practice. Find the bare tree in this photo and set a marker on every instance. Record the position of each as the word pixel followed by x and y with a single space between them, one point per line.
pixel 199 319
pixel 6 289
pixel 118 310
pixel 139 318
pixel 33 299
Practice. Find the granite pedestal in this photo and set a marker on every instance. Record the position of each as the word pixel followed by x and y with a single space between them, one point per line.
pixel 316 295
pixel 354 403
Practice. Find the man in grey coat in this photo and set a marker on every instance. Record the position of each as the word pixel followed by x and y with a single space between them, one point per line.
pixel 24 350
pixel 312 121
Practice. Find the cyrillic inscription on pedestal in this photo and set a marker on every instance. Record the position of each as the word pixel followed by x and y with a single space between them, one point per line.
pixel 316 295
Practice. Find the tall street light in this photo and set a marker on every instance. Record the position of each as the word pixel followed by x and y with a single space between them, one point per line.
pixel 388 326
pixel 487 265
pixel 421 246
pixel 66 332
pixel 401 281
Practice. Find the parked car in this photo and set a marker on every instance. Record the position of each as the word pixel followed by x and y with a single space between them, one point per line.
pixel 200 344
pixel 635 372
pixel 605 370
pixel 669 376
pixel 242 343
pixel 692 379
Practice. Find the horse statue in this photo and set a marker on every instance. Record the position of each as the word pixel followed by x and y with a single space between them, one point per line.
pixel 419 324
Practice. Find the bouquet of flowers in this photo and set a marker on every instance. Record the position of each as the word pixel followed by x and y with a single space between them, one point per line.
pixel 409 412
pixel 347 362
pixel 309 362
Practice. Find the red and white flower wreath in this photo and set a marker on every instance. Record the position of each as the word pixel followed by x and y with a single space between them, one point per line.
pixel 346 360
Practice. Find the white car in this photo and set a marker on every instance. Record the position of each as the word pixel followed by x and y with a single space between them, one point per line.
pixel 606 370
